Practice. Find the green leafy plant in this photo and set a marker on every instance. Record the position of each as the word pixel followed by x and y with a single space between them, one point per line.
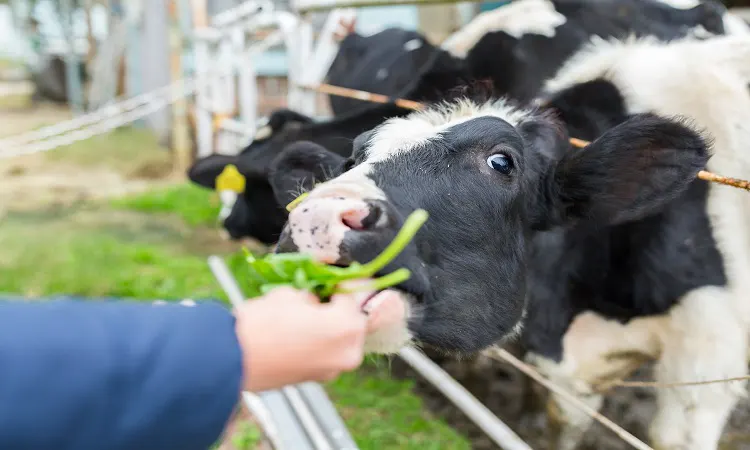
pixel 300 271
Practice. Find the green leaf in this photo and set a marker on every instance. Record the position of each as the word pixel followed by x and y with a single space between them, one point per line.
pixel 301 271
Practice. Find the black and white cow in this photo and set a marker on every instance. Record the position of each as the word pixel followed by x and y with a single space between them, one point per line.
pixel 601 258
pixel 675 278
pixel 517 46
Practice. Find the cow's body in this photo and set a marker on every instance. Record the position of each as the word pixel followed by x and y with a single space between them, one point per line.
pixel 516 46
pixel 676 278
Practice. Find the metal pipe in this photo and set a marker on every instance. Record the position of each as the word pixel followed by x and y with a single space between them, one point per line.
pixel 500 433
pixel 306 418
pixel 327 416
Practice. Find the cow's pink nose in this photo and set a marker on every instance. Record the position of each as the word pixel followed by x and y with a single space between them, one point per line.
pixel 318 226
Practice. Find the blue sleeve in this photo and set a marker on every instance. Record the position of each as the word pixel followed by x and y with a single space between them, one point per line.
pixel 116 375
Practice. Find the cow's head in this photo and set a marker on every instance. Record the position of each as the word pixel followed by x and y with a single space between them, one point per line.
pixel 253 212
pixel 491 176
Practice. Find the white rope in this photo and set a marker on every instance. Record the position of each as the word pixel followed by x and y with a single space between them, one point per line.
pixel 100 114
pixel 102 127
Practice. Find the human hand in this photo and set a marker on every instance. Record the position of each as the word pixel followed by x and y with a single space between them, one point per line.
pixel 288 336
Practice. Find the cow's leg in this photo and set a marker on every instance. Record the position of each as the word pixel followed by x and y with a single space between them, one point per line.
pixel 704 340
pixel 596 351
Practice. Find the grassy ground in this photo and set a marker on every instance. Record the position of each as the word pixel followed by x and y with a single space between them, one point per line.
pixel 153 245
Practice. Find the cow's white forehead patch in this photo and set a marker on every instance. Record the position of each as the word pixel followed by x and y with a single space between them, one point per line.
pixel 403 134
pixel 397 136
pixel 516 19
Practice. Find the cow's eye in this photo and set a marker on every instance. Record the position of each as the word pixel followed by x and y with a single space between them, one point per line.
pixel 501 162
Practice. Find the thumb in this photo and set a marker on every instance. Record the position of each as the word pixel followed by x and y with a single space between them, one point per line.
pixel 353 300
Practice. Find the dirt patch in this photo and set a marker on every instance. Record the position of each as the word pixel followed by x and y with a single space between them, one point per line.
pixel 32 182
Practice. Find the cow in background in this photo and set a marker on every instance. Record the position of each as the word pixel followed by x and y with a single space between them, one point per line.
pixel 515 47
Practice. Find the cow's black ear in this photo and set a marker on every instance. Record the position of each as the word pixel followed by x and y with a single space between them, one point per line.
pixel 299 166
pixel 359 142
pixel 205 170
pixel 281 117
pixel 631 171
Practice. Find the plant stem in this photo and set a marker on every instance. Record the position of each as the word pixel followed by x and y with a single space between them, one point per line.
pixel 412 224
pixel 384 282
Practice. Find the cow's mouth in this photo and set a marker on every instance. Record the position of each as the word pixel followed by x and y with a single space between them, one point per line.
pixel 388 314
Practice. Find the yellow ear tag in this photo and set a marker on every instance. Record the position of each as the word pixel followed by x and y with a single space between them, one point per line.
pixel 296 202
pixel 230 179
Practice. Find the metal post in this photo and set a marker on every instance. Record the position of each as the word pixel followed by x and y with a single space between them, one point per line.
pixel 72 75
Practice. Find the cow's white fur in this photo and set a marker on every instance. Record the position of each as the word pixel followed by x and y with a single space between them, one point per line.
pixel 516 19
pixel 705 336
pixel 402 134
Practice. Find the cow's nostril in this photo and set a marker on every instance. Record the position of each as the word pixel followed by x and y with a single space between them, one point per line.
pixel 362 219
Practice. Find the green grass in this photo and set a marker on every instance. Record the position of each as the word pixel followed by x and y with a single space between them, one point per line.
pixel 154 246
pixel 247 437
pixel 138 259
pixel 193 204
pixel 383 413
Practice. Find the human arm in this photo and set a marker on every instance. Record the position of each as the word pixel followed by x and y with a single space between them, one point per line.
pixel 116 375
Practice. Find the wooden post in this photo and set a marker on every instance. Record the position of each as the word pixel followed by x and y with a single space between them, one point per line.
pixel 72 78
pixel 181 148
pixel 88 5
pixel 437 22
pixel 133 66
pixel 202 58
